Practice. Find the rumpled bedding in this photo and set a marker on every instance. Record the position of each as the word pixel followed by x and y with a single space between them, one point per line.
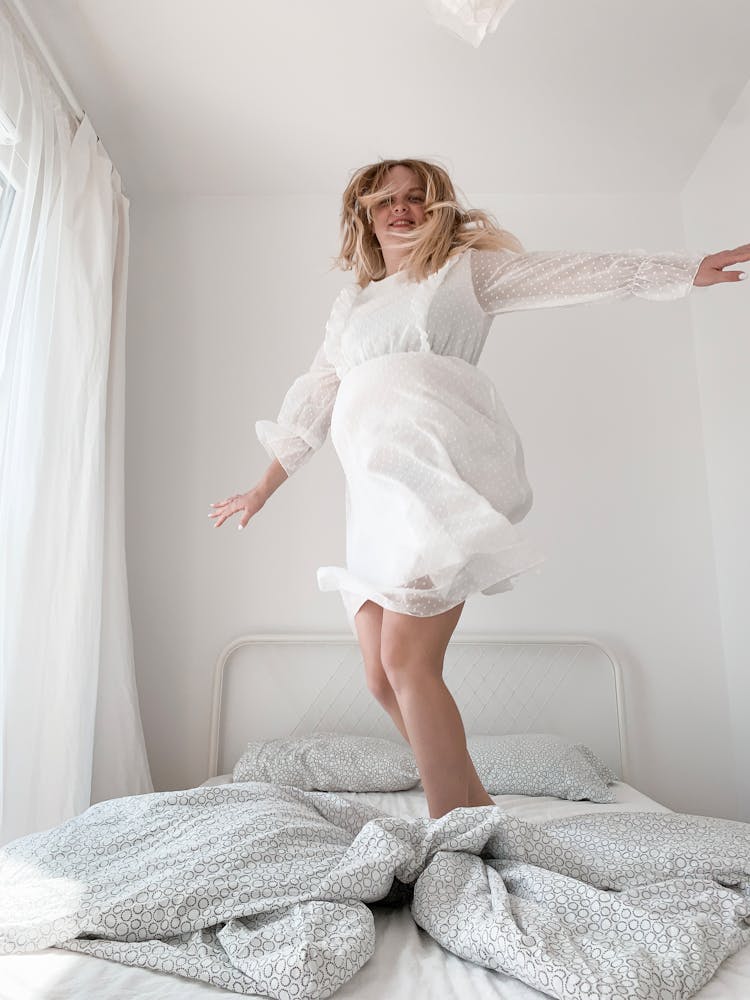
pixel 261 888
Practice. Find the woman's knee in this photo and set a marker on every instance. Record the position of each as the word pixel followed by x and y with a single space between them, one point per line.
pixel 368 621
pixel 377 682
pixel 403 657
pixel 413 648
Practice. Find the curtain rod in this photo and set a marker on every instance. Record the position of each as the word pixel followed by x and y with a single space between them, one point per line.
pixel 46 55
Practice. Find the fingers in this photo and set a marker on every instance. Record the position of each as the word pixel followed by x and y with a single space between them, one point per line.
pixel 221 512
pixel 732 275
pixel 225 517
pixel 722 275
pixel 726 257
pixel 225 509
pixel 220 503
pixel 720 262
pixel 738 254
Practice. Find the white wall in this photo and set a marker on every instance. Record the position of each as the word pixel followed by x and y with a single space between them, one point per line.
pixel 716 204
pixel 228 300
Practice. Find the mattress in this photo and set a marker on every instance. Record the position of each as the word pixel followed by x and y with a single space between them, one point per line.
pixel 407 963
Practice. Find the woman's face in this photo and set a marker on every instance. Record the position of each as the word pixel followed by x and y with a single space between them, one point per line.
pixel 401 212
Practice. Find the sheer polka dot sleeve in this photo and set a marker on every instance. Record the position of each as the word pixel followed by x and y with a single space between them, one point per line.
pixel 305 415
pixel 505 280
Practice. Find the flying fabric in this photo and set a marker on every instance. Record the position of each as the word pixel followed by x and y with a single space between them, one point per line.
pixel 469 19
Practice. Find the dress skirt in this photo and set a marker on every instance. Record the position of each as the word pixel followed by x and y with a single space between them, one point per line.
pixel 435 482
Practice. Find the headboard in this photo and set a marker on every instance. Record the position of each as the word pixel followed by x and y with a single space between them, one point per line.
pixel 271 686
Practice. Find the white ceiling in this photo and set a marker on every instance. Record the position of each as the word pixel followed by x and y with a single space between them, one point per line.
pixel 290 96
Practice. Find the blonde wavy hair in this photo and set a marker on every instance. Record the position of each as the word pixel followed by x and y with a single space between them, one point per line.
pixel 448 228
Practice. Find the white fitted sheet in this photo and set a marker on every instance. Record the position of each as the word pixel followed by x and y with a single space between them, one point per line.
pixel 407 965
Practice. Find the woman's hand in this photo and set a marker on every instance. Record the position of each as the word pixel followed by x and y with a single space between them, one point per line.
pixel 711 270
pixel 245 504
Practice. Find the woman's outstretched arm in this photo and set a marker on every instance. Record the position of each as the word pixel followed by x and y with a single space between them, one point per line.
pixel 305 415
pixel 505 280
pixel 300 429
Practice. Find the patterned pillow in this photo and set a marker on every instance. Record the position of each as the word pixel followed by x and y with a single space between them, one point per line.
pixel 607 775
pixel 540 764
pixel 330 762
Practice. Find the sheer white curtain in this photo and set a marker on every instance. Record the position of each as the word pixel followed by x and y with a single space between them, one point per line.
pixel 70 726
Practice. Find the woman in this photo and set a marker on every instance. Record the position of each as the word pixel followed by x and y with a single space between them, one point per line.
pixel 434 468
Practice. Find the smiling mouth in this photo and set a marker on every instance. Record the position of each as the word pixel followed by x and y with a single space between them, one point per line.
pixel 400 225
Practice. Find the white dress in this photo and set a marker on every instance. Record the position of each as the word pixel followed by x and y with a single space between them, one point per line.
pixel 433 466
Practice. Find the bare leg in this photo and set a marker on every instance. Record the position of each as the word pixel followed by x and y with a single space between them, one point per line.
pixel 368 622
pixel 477 792
pixel 412 653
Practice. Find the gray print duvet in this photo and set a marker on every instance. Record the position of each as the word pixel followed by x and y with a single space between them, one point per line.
pixel 267 889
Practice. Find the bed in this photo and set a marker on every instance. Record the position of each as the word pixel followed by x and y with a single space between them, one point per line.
pixel 271 686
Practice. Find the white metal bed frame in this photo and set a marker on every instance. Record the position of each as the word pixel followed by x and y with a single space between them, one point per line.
pixel 268 686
